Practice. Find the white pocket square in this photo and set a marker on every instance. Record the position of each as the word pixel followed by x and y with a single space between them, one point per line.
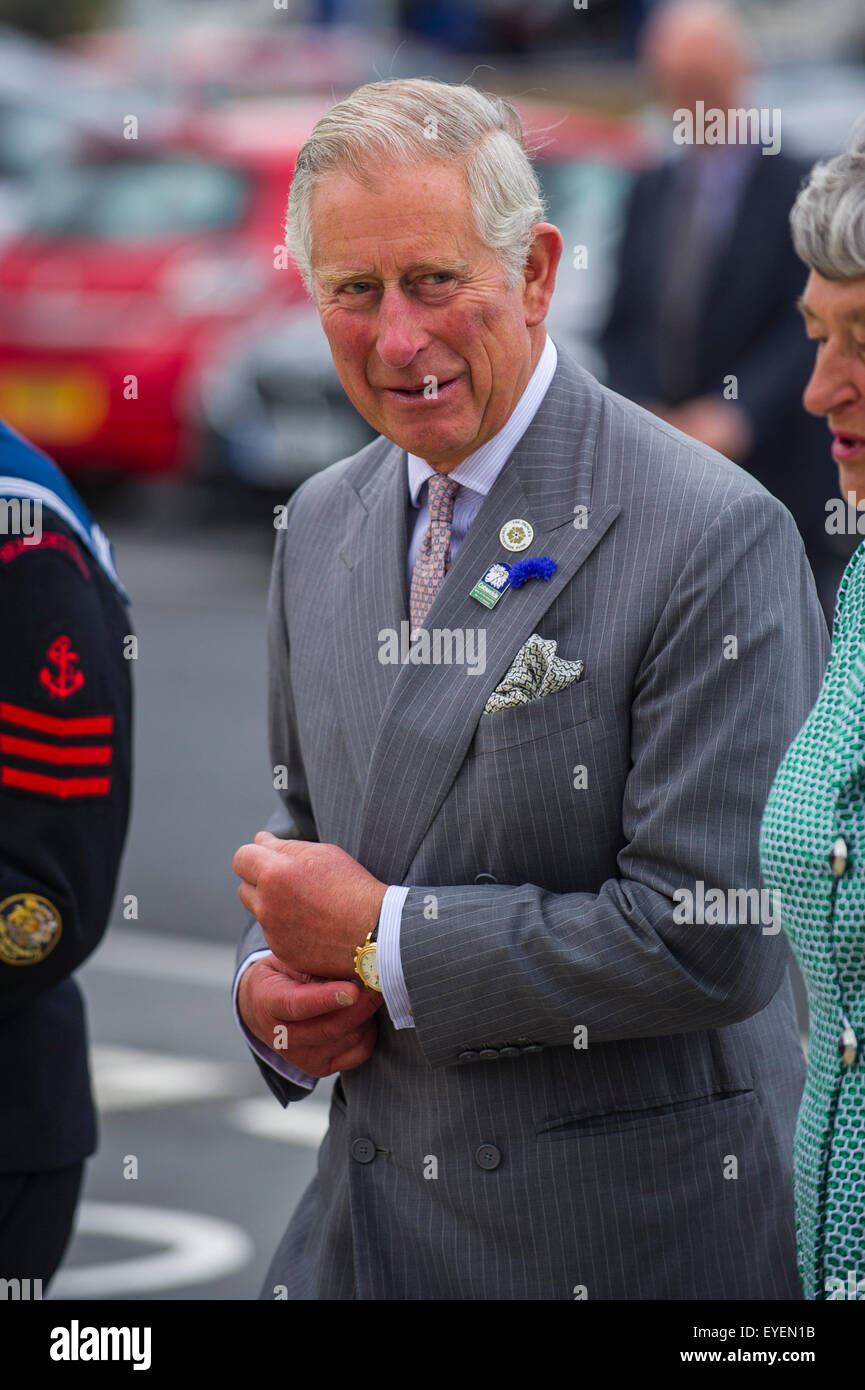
pixel 536 671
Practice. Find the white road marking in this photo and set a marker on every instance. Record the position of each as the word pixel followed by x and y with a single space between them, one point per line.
pixel 163 956
pixel 199 1249
pixel 304 1122
pixel 126 1078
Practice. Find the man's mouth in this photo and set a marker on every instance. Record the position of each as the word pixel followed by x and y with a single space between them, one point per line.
pixel 846 445
pixel 428 390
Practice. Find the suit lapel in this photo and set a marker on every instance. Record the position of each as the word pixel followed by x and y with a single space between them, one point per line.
pixel 368 595
pixel 429 712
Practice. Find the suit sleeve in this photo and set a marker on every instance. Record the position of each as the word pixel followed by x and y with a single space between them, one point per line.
pixel 65 759
pixel 710 721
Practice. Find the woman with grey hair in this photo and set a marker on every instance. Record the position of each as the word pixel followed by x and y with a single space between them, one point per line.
pixel 813 835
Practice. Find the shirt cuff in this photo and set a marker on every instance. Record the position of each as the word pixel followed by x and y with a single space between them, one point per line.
pixel 390 975
pixel 268 1054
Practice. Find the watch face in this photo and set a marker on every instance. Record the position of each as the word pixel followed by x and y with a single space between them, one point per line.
pixel 368 969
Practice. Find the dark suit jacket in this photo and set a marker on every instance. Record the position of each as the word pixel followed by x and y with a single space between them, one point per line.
pixel 748 326
pixel 63 822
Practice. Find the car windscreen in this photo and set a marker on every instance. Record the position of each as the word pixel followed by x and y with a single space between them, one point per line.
pixel 137 199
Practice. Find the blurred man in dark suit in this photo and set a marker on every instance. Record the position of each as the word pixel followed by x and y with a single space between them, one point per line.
pixel 703 327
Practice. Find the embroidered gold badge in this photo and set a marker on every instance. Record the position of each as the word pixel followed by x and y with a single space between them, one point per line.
pixel 30 928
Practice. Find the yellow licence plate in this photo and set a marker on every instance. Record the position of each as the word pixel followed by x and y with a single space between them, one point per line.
pixel 53 407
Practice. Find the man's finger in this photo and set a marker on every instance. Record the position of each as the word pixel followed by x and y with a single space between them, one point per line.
pixel 249 897
pixel 247 862
pixel 297 1002
pixel 328 1032
pixel 339 1027
pixel 351 1052
pixel 355 1055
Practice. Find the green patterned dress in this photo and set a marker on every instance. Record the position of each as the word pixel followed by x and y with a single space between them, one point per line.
pixel 812 849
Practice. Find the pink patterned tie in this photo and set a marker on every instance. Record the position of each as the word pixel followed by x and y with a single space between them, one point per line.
pixel 433 557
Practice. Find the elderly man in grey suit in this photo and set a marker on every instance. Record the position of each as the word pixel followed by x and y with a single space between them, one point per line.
pixel 534 659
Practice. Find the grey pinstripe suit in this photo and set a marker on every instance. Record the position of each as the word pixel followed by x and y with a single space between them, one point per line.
pixel 601 1167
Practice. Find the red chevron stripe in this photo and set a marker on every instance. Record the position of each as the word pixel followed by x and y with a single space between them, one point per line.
pixel 49 753
pixel 55 724
pixel 61 787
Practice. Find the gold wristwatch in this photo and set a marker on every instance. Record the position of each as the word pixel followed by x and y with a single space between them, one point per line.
pixel 365 964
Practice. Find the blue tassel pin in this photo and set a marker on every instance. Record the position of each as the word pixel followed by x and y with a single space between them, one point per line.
pixel 531 567
pixel 501 576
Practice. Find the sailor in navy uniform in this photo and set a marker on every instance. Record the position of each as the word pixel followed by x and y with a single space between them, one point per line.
pixel 65 715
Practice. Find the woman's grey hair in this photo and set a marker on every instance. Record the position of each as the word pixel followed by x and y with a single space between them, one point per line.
pixel 828 216
pixel 406 122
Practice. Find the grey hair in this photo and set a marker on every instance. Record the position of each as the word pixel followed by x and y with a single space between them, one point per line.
pixel 828 216
pixel 406 122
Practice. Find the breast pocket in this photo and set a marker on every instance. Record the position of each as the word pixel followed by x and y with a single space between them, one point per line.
pixel 540 718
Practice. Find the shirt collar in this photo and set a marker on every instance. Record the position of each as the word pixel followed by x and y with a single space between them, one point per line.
pixel 480 470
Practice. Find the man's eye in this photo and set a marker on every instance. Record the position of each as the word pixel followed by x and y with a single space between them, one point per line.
pixel 357 287
pixel 441 277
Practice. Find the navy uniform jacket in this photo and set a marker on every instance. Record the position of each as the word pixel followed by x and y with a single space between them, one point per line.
pixel 65 714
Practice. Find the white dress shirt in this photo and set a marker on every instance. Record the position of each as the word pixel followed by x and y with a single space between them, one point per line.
pixel 476 475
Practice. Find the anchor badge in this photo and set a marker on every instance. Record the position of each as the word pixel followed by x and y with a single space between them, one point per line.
pixel 67 678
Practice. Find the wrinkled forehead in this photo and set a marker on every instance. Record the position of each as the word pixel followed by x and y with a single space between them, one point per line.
pixel 416 217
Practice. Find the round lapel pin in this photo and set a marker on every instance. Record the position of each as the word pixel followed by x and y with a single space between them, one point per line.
pixel 516 534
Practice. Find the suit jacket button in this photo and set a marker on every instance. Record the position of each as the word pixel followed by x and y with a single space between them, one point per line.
pixel 488 1156
pixel 485 878
pixel 509 1051
pixel 533 1047
pixel 467 1056
pixel 489 1054
pixel 363 1151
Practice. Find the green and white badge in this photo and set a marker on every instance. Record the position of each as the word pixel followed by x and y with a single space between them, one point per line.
pixel 491 585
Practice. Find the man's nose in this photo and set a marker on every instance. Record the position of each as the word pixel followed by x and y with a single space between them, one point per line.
pixel 831 385
pixel 400 335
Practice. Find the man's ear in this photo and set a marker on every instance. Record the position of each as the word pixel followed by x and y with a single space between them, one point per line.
pixel 540 271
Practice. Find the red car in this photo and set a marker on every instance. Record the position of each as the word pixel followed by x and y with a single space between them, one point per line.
pixel 134 268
